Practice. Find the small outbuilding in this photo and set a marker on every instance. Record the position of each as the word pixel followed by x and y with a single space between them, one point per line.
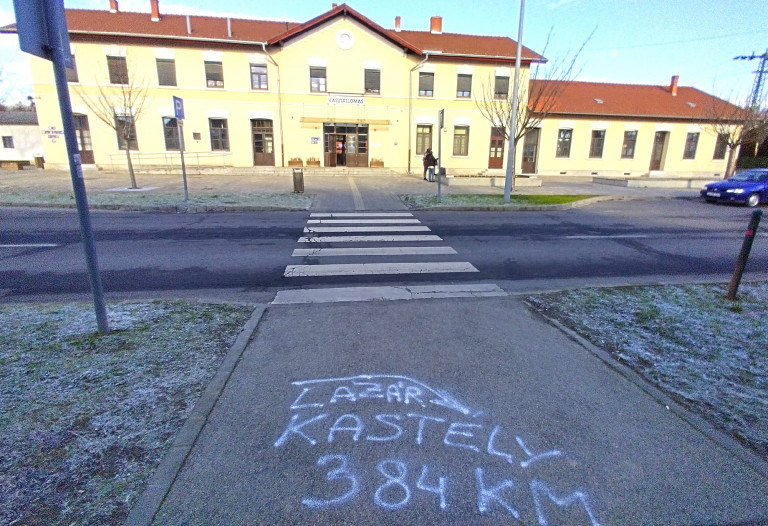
pixel 22 144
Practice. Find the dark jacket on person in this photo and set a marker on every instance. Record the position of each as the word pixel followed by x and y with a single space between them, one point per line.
pixel 429 160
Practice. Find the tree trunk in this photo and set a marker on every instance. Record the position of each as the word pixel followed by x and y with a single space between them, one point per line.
pixel 130 165
pixel 729 166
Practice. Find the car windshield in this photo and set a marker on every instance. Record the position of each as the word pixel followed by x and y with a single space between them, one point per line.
pixel 754 176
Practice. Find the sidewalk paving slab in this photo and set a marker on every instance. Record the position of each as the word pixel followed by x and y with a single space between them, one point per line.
pixel 394 413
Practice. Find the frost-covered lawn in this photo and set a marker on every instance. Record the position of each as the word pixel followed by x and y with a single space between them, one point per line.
pixel 156 199
pixel 708 352
pixel 84 419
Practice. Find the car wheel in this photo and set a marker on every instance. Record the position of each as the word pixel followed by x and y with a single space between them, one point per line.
pixel 753 200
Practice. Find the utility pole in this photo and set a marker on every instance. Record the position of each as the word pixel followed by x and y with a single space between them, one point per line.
pixel 762 71
pixel 509 179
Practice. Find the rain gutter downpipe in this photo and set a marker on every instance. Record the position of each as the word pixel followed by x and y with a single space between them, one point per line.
pixel 279 103
pixel 410 108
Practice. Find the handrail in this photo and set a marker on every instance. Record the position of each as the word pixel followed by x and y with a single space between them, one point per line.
pixel 170 161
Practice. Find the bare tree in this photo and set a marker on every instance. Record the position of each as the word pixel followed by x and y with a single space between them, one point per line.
pixel 536 100
pixel 6 86
pixel 737 126
pixel 119 105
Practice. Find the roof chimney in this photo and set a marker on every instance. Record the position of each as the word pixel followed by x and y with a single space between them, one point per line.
pixel 436 25
pixel 155 10
pixel 334 6
pixel 113 6
pixel 673 85
pixel 397 24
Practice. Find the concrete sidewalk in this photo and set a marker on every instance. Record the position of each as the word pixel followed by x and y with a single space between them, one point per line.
pixel 325 191
pixel 392 413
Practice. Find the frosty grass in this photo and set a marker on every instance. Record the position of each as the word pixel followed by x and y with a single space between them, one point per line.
pixel 85 419
pixel 709 353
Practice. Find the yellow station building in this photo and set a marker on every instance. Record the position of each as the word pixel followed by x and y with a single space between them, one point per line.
pixel 341 90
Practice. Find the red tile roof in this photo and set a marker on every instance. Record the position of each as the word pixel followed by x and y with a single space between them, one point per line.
pixel 81 21
pixel 629 100
pixel 342 10
pixel 205 28
pixel 468 45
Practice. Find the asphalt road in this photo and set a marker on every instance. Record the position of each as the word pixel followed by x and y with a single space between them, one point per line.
pixel 40 250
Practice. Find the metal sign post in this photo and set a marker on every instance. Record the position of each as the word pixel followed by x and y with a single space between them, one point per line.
pixel 42 30
pixel 440 124
pixel 178 108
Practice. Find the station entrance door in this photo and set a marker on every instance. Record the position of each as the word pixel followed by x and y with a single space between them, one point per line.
pixel 345 144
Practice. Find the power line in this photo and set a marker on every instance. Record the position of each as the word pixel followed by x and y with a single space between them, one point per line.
pixel 657 44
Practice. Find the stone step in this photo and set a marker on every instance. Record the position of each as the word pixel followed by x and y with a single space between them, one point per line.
pixel 265 170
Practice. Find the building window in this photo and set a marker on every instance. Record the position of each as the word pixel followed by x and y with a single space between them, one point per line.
pixel 118 70
pixel 214 74
pixel 125 126
pixel 564 137
pixel 461 140
pixel 464 86
pixel 166 72
pixel 7 141
pixel 258 76
pixel 171 132
pixel 426 84
pixel 721 146
pixel 317 79
pixel 598 140
pixel 628 147
pixel 219 135
pixel 72 72
pixel 423 138
pixel 501 88
pixel 372 81
pixel 690 146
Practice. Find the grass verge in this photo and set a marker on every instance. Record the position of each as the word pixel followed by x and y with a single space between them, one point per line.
pixel 480 200
pixel 85 419
pixel 705 351
pixel 158 200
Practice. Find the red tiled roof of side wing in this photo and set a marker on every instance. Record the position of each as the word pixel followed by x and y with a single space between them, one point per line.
pixel 203 27
pixel 631 100
pixel 472 45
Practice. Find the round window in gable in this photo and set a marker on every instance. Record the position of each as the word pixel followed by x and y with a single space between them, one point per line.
pixel 344 39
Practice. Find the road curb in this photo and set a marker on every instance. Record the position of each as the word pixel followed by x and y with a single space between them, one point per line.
pixel 525 208
pixel 698 423
pixel 200 209
pixel 146 507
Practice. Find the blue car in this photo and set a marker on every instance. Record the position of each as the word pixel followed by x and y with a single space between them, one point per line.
pixel 749 187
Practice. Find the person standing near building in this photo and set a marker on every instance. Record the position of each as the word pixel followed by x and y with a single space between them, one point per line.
pixel 430 161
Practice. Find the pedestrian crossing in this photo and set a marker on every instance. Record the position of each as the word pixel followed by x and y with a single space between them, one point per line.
pixel 376 244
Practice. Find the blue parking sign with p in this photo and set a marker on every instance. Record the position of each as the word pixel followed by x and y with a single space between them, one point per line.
pixel 178 107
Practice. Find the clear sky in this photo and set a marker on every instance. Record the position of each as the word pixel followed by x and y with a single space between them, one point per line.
pixel 635 41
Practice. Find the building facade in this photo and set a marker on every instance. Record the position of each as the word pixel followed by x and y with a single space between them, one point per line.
pixel 21 138
pixel 337 90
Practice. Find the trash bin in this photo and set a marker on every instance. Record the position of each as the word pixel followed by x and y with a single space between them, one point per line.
pixel 298 180
pixel 39 161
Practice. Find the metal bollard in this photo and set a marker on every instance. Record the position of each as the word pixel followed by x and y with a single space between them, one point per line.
pixel 298 180
pixel 749 237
